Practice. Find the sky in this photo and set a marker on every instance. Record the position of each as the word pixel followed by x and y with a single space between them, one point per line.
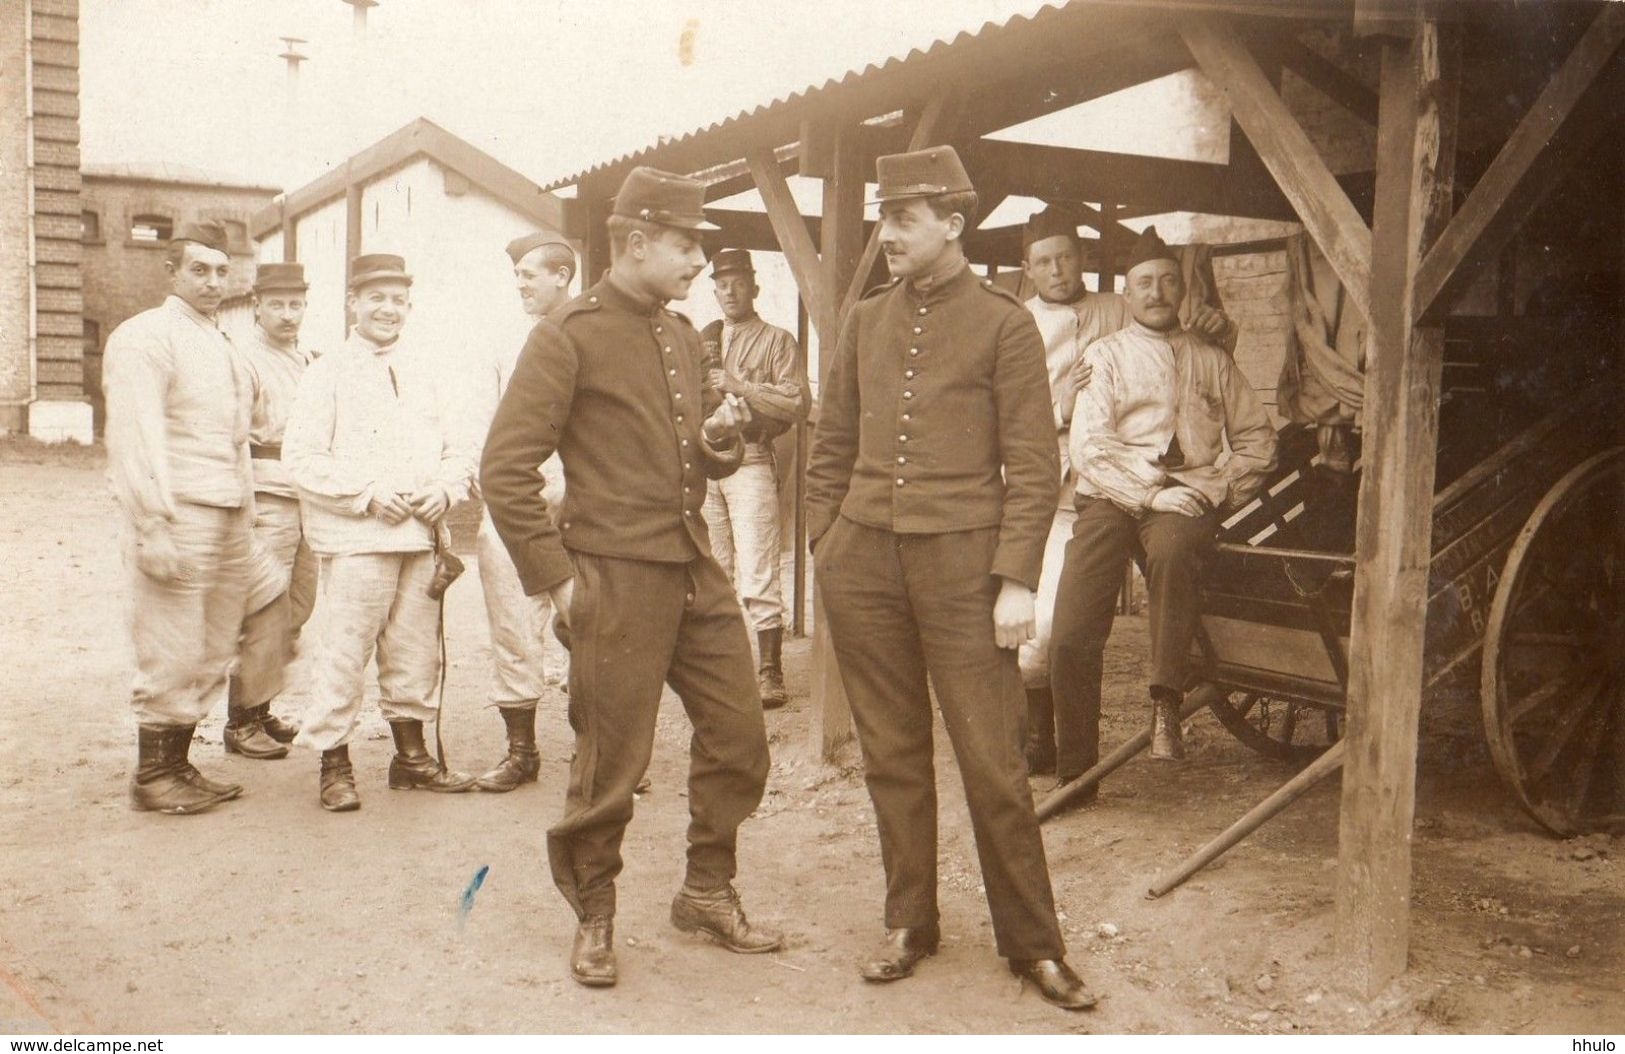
pixel 546 86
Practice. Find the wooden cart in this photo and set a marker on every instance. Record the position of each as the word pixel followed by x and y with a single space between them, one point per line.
pixel 1525 592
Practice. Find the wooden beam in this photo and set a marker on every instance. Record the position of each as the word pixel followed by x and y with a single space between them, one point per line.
pixel 794 239
pixel 1302 174
pixel 1394 523
pixel 352 238
pixel 843 239
pixel 1576 106
pixel 595 195
pixel 930 128
pixel 1325 76
pixel 1049 172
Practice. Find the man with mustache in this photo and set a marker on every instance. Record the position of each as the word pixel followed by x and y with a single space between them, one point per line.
pixel 1148 442
pixel 614 382
pixel 543 265
pixel 1070 318
pixel 757 363
pixel 379 448
pixel 284 567
pixel 178 406
pixel 930 485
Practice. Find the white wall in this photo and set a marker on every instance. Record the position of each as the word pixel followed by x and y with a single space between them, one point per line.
pixel 320 235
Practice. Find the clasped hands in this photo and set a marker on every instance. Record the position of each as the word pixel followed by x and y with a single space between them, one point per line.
pixel 428 504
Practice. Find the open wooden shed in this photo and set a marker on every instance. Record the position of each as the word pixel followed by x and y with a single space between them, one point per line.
pixel 1487 160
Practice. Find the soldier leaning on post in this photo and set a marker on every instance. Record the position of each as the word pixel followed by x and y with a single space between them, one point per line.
pixel 284 566
pixel 613 381
pixel 930 487
pixel 178 408
pixel 380 448
pixel 543 265
pixel 757 362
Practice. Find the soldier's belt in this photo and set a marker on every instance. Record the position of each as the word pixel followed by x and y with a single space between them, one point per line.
pixel 265 451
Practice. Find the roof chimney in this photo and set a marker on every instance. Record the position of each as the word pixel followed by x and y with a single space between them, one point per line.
pixel 361 14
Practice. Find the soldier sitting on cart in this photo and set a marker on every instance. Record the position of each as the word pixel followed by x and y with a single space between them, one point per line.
pixel 1148 440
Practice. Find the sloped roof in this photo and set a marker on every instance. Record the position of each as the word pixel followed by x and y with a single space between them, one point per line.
pixel 420 138
pixel 170 172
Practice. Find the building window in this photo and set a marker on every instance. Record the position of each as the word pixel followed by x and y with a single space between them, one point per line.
pixel 151 228
pixel 90 226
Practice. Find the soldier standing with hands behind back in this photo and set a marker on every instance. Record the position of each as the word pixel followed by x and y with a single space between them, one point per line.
pixel 613 381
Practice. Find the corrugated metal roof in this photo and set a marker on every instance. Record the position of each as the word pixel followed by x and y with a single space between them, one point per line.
pixel 851 80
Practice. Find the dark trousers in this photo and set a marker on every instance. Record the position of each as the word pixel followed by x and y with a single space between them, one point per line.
pixel 901 607
pixel 1173 547
pixel 635 625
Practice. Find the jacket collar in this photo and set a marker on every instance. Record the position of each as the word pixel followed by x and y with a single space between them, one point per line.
pixel 941 287
pixel 613 293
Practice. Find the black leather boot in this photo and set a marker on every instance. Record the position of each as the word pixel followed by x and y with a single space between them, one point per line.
pixel 1167 738
pixel 770 674
pixel 900 951
pixel 1055 981
pixel 413 769
pixel 524 761
pixel 278 729
pixel 164 779
pixel 338 781
pixel 592 957
pixel 718 914
pixel 245 731
pixel 1040 731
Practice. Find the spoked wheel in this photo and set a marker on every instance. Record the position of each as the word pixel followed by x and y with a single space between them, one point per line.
pixel 1283 729
pixel 1554 654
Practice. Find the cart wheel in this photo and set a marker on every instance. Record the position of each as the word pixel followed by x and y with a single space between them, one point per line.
pixel 1554 654
pixel 1283 729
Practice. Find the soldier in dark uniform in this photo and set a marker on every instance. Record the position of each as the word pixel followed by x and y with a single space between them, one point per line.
pixel 929 494
pixel 613 381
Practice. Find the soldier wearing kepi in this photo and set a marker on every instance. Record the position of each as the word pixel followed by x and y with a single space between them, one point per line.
pixel 543 265
pixel 756 362
pixel 930 486
pixel 178 405
pixel 379 448
pixel 1149 441
pixel 613 381
pixel 284 568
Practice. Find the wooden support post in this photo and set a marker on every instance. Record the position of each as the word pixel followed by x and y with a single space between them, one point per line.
pixel 1577 105
pixel 1319 200
pixel 290 233
pixel 595 196
pixel 1108 258
pixel 798 620
pixel 1393 533
pixel 352 239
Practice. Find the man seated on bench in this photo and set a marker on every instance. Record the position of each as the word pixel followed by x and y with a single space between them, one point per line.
pixel 1149 439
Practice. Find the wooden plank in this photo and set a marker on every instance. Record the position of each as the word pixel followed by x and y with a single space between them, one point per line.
pixel 1573 109
pixel 1326 211
pixel 929 129
pixel 1393 532
pixel 1325 76
pixel 795 241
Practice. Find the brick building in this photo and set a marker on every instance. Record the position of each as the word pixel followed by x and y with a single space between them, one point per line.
pixel 128 214
pixel 41 391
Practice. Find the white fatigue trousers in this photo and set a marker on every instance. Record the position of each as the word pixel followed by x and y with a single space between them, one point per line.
pixel 519 624
pixel 1034 654
pixel 276 524
pixel 372 601
pixel 742 517
pixel 185 631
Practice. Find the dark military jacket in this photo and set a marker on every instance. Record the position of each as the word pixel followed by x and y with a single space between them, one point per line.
pixel 615 385
pixel 936 417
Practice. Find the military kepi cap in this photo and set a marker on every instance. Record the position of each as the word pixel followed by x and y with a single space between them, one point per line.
pixel 1149 246
pixel 525 243
pixel 212 235
pixel 378 267
pixel 283 277
pixel 922 173
pixel 664 198
pixel 1048 223
pixel 732 261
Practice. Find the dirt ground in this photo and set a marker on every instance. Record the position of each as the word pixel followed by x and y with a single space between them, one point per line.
pixel 269 915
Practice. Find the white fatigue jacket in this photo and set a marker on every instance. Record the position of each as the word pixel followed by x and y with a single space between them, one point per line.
pixel 178 404
pixel 276 372
pixel 369 421
pixel 1149 388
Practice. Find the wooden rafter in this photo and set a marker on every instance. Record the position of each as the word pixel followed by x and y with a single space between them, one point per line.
pixel 1047 172
pixel 1575 108
pixel 795 241
pixel 1302 174
pixel 1324 75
